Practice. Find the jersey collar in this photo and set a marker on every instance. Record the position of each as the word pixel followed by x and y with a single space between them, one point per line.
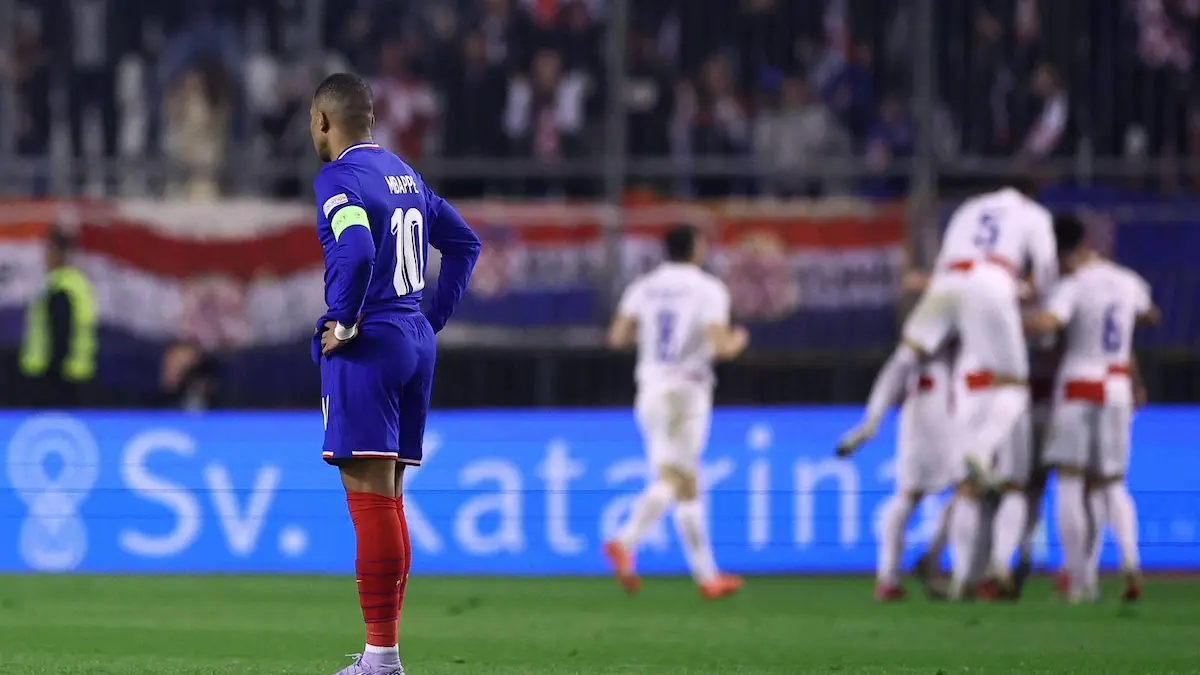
pixel 357 146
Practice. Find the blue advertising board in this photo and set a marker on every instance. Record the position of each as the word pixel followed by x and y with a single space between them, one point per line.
pixel 500 493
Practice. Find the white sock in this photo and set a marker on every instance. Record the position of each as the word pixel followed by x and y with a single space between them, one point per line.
pixel 964 523
pixel 1123 516
pixel 937 542
pixel 1098 510
pixel 648 508
pixel 981 556
pixel 383 655
pixel 691 523
pixel 895 518
pixel 890 382
pixel 1073 527
pixel 1007 530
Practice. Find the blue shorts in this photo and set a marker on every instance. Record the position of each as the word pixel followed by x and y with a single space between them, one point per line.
pixel 375 391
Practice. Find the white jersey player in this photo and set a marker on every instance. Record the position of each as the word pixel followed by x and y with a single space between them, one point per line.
pixel 680 316
pixel 924 454
pixel 975 294
pixel 1096 306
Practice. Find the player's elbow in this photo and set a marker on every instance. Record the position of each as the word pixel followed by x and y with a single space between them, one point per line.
pixel 1151 317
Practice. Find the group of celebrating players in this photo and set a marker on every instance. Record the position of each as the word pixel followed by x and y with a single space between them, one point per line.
pixel 976 415
pixel 970 417
pixel 1015 362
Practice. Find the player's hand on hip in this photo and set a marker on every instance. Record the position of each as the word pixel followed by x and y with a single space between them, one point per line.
pixel 329 339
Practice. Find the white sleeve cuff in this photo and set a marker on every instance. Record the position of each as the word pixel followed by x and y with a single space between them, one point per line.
pixel 343 333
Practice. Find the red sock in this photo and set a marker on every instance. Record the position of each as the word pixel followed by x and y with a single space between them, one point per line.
pixel 380 563
pixel 407 556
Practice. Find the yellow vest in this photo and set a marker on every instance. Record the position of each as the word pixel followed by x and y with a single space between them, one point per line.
pixel 80 364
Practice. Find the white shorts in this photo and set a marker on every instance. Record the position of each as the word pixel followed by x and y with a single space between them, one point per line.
pixel 925 457
pixel 981 307
pixel 1091 437
pixel 674 421
pixel 1012 458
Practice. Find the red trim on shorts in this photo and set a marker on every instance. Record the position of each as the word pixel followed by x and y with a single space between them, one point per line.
pixel 968 264
pixel 979 379
pixel 1092 391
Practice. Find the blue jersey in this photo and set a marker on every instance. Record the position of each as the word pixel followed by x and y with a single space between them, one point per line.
pixel 376 220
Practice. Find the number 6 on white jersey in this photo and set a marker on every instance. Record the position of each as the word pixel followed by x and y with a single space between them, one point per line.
pixel 407 225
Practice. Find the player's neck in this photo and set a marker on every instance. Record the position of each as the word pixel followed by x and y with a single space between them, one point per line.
pixel 339 145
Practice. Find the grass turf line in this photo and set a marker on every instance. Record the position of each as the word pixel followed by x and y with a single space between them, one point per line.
pixel 94 625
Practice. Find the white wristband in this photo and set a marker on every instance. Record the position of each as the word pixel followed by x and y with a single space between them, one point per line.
pixel 343 333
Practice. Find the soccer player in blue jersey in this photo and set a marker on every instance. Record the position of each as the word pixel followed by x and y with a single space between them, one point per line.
pixel 375 221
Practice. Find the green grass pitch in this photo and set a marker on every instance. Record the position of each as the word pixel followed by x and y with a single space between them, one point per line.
pixel 780 626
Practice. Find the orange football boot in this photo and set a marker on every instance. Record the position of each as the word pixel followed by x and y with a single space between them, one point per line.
pixel 621 562
pixel 720 586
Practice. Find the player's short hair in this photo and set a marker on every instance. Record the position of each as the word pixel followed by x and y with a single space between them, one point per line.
pixel 348 100
pixel 1069 233
pixel 680 243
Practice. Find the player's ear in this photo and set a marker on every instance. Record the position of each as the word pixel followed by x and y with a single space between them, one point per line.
pixel 324 121
pixel 371 120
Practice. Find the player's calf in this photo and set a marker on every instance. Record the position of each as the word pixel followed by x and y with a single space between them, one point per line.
pixel 964 529
pixel 1006 537
pixel 1122 516
pixel 895 519
pixel 380 559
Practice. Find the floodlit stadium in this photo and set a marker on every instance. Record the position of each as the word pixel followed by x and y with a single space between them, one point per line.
pixel 600 337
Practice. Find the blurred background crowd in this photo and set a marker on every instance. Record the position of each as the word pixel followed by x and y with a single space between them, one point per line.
pixel 784 85
pixel 822 142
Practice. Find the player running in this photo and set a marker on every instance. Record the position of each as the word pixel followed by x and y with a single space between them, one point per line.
pixel 1096 305
pixel 975 294
pixel 924 452
pixel 680 315
pixel 376 350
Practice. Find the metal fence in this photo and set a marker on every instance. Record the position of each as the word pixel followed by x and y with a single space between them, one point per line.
pixel 525 98
pixel 819 140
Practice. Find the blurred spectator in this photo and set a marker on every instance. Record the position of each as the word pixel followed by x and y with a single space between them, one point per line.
pixel 581 42
pixel 792 139
pixel 404 103
pixel 196 120
pixel 544 115
pixel 850 91
pixel 188 378
pixel 28 68
pixel 765 36
pixel 718 123
pixel 92 37
pixel 648 99
pixel 1046 134
pixel 1165 53
pixel 474 84
pixel 508 32
pixel 893 136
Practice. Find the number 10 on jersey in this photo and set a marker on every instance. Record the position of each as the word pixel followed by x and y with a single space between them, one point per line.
pixel 408 227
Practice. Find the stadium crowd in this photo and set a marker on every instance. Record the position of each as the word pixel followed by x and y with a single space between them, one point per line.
pixel 788 83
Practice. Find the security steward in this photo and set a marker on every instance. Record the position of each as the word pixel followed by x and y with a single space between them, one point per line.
pixel 58 353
